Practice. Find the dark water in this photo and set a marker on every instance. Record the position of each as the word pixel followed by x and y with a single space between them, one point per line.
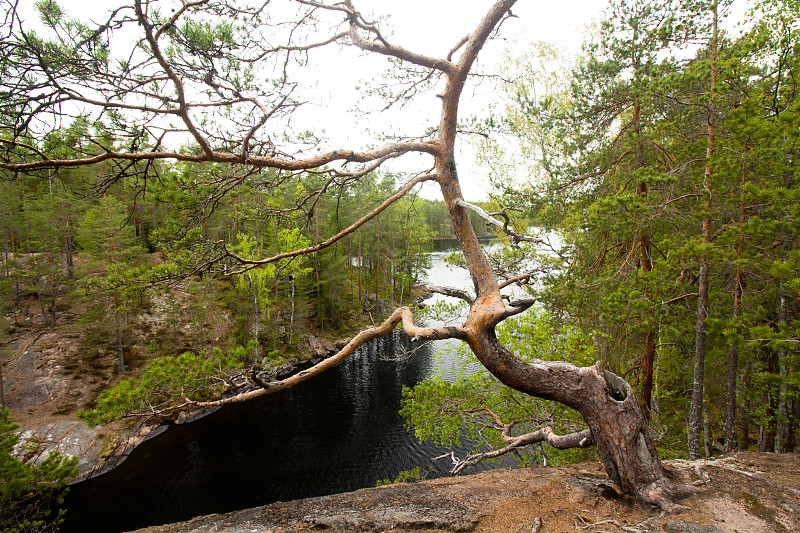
pixel 337 432
pixel 451 245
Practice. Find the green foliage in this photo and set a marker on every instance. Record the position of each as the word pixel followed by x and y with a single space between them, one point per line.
pixel 543 336
pixel 49 11
pixel 447 412
pixel 31 495
pixel 616 146
pixel 168 382
pixel 406 476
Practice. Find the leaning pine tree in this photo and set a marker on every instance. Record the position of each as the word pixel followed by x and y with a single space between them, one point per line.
pixel 202 78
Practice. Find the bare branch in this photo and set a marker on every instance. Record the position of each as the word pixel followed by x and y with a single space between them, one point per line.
pixel 681 297
pixel 515 237
pixel 520 278
pixel 458 45
pixel 176 80
pixel 399 52
pixel 453 292
pixel 350 229
pixel 401 315
pixel 282 163
pixel 518 306
pixel 581 439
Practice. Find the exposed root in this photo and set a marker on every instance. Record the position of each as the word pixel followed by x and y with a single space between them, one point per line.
pixel 702 474
pixel 535 528
pixel 582 524
pixel 664 494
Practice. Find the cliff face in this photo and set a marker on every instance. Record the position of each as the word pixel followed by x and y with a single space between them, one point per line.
pixel 50 374
pixel 743 492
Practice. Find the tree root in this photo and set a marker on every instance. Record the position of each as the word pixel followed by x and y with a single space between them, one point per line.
pixel 535 528
pixel 636 528
pixel 664 494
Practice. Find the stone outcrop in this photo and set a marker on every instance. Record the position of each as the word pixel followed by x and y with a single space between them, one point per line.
pixel 34 378
pixel 757 493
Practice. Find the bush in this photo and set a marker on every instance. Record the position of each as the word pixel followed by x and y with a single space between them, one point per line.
pixel 166 383
pixel 31 495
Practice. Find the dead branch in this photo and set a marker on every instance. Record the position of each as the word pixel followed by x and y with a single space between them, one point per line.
pixel 401 315
pixel 535 527
pixel 453 292
pixel 458 45
pixel 515 237
pixel 520 279
pixel 581 439
pixel 383 47
pixel 585 524
pixel 252 263
pixel 681 297
pixel 270 161
pixel 516 307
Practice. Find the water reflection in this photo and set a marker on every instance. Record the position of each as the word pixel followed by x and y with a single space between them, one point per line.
pixel 337 432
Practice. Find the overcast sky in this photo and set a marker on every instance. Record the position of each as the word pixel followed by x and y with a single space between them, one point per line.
pixel 433 27
pixel 426 26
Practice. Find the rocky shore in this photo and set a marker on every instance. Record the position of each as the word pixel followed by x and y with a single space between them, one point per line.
pixel 34 382
pixel 744 492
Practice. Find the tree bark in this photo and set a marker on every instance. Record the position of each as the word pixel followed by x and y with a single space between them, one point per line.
pixel 68 250
pixel 733 372
pixel 2 390
pixel 605 401
pixel 39 289
pixel 782 426
pixel 792 445
pixel 609 407
pixel 360 268
pixel 118 332
pixel 766 427
pixel 696 410
pixel 648 357
pixel 646 264
pixel 291 315
pixel 51 279
pixel 733 354
pixel 744 442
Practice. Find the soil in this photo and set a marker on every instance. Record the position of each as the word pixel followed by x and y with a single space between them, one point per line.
pixel 745 492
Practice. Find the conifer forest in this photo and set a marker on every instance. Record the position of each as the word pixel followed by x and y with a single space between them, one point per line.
pixel 633 256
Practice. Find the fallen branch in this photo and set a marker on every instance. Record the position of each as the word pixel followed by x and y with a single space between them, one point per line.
pixel 537 525
pixel 592 525
pixel 27 346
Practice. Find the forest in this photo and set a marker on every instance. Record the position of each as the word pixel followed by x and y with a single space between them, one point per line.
pixel 643 196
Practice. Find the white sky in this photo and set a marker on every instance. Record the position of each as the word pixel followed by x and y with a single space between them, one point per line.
pixel 434 26
pixel 427 26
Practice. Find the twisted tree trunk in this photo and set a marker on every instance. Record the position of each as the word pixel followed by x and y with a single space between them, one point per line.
pixel 606 402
